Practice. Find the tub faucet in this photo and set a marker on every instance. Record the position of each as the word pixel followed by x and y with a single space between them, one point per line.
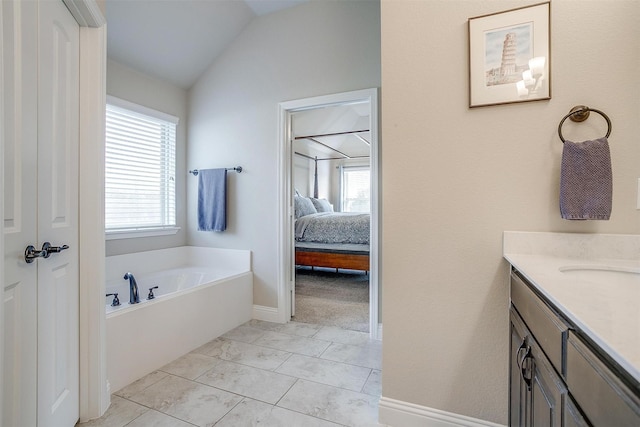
pixel 134 296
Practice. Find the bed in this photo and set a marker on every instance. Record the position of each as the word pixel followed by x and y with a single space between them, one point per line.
pixel 324 238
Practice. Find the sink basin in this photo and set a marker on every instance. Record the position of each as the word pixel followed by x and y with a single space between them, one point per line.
pixel 603 274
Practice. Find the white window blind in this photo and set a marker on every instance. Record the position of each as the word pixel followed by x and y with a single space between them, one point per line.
pixel 356 189
pixel 140 163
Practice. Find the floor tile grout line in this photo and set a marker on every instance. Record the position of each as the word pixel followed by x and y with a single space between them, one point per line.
pixel 198 383
pixel 297 336
pixel 265 346
pixel 279 373
pixel 163 413
pixel 148 409
pixel 334 386
pixel 157 370
pixel 277 405
pixel 234 407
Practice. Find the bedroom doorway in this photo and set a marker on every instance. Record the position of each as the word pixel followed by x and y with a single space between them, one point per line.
pixel 329 173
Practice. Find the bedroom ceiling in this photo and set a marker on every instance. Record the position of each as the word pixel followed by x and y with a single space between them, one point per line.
pixel 177 40
pixel 333 120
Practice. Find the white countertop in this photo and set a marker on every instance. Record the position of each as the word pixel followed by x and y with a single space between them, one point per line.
pixel 606 309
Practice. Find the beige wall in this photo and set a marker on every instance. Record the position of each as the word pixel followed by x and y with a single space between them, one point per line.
pixel 454 178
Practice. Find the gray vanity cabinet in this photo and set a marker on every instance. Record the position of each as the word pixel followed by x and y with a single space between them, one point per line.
pixel 536 390
pixel 555 377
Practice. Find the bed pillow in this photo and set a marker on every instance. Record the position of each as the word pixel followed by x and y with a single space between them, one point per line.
pixel 303 206
pixel 322 205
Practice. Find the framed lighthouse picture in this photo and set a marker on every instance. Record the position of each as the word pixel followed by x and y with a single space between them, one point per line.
pixel 509 56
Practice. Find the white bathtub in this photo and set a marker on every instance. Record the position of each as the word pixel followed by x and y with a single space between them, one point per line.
pixel 202 293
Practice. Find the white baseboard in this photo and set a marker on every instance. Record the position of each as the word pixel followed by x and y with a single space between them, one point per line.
pixel 396 413
pixel 267 314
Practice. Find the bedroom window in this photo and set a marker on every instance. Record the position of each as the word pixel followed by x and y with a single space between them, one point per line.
pixel 140 164
pixel 356 189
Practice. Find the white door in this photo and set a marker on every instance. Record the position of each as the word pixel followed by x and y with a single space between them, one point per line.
pixel 41 298
pixel 58 293
pixel 20 103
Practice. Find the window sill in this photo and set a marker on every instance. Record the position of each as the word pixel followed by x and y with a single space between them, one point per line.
pixel 134 234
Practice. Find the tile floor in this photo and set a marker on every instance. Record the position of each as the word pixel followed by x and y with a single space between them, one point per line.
pixel 260 373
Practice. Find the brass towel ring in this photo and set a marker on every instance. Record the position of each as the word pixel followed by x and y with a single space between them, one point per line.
pixel 580 113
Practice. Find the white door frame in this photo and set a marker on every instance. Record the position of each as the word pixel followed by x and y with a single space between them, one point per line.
pixel 285 198
pixel 94 392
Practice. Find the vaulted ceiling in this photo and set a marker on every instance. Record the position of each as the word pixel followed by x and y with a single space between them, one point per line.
pixel 177 40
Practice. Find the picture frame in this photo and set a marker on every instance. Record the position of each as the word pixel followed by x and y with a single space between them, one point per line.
pixel 509 56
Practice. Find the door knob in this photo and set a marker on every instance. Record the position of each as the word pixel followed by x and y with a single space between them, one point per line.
pixel 30 252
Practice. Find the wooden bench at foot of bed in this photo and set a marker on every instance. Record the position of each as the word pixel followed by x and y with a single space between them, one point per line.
pixel 347 256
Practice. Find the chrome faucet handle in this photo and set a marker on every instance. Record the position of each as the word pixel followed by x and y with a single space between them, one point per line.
pixel 116 301
pixel 151 295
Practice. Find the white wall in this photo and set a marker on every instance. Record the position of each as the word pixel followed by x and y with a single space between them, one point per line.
pixel 303 175
pixel 131 85
pixel 454 178
pixel 317 48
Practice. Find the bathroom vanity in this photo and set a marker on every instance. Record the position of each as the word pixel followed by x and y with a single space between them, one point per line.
pixel 574 329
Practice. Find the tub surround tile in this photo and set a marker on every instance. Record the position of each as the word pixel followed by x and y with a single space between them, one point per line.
pixel 120 413
pixel 368 355
pixel 293 344
pixel 141 384
pixel 332 404
pixel 250 413
pixel 252 382
pixel 325 372
pixel 246 354
pixel 244 333
pixel 343 336
pixel 373 386
pixel 157 419
pixel 187 400
pixel 191 365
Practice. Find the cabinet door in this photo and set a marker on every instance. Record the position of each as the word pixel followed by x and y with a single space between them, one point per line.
pixel 535 389
pixel 572 417
pixel 546 391
pixel 519 402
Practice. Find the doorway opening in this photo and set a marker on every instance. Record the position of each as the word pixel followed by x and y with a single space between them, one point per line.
pixel 329 218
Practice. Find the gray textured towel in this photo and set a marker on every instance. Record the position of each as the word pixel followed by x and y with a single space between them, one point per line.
pixel 212 200
pixel 585 180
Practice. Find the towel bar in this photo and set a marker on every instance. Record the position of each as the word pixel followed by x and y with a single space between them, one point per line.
pixel 580 113
pixel 237 169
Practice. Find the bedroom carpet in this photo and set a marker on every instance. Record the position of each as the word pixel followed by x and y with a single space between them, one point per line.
pixel 334 299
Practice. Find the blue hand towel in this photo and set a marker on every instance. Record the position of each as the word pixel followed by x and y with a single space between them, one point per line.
pixel 212 200
pixel 586 180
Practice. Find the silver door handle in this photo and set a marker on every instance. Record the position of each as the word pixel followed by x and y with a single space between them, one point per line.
pixel 30 252
pixel 48 249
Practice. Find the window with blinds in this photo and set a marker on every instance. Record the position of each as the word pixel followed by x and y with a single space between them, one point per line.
pixel 356 189
pixel 140 164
